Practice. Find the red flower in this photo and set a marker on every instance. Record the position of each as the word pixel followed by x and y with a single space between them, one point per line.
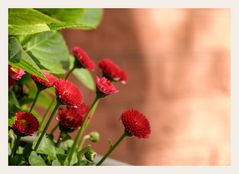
pixel 105 86
pixel 15 73
pixel 51 79
pixel 83 58
pixel 11 82
pixel 71 117
pixel 136 123
pixel 112 71
pixel 68 93
pixel 26 124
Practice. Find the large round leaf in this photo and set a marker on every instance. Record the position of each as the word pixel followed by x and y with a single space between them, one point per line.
pixel 50 52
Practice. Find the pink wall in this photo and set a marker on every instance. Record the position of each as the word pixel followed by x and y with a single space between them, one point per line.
pixel 178 62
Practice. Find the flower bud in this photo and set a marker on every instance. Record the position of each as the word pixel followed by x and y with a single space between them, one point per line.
pixel 94 137
pixel 90 155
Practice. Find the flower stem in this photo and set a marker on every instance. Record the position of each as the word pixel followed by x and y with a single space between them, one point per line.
pixel 45 116
pixel 61 137
pixel 53 130
pixel 16 143
pixel 86 137
pixel 112 148
pixel 47 125
pixel 81 131
pixel 35 99
pixel 69 73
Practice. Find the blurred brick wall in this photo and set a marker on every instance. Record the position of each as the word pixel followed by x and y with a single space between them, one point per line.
pixel 178 62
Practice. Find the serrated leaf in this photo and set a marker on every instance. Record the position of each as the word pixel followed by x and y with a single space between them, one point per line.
pixel 46 147
pixel 36 160
pixel 85 77
pixel 19 58
pixel 50 51
pixel 84 19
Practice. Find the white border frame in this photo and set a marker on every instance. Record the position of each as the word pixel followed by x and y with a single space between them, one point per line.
pixel 4 5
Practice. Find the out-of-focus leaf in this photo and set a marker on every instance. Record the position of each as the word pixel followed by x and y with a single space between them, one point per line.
pixel 24 21
pixel 85 77
pixel 56 162
pixel 84 19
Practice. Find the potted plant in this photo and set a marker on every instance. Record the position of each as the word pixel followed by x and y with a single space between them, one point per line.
pixel 39 67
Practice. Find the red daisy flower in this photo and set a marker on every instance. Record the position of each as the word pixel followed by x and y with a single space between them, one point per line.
pixel 51 79
pixel 71 117
pixel 68 93
pixel 26 124
pixel 113 71
pixel 136 123
pixel 105 86
pixel 83 58
pixel 15 73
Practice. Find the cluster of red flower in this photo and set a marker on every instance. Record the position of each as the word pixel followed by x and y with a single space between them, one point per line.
pixel 72 115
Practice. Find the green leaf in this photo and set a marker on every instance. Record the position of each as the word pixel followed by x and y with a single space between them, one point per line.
pixel 36 160
pixel 61 158
pixel 74 159
pixel 50 52
pixel 29 29
pixel 44 100
pixel 46 147
pixel 17 160
pixel 28 16
pixel 22 21
pixel 13 107
pixel 84 19
pixel 85 77
pixel 56 162
pixel 19 58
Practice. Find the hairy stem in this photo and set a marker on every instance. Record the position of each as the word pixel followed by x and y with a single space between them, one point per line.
pixel 112 148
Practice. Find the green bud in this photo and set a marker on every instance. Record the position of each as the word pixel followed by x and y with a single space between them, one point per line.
pixel 90 155
pixel 94 137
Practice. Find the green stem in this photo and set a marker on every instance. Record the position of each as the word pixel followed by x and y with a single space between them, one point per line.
pixel 47 125
pixel 53 130
pixel 16 143
pixel 69 73
pixel 81 131
pixel 61 137
pixel 35 99
pixel 45 116
pixel 112 148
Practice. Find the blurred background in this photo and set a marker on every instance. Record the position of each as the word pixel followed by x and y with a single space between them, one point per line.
pixel 178 62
